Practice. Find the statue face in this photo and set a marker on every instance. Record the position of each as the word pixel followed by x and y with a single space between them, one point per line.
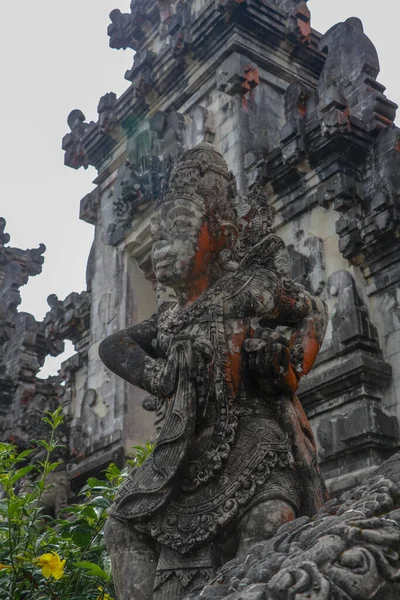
pixel 181 243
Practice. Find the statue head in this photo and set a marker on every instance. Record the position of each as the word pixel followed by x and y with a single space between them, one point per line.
pixel 201 225
pixel 194 221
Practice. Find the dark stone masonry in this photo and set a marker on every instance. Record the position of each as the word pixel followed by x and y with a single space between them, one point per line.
pixel 298 113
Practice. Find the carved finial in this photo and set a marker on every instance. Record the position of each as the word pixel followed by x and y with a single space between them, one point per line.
pixel 126 30
pixel 4 237
pixel 356 23
pixel 53 301
pixel 120 30
pixel 73 143
pixel 75 117
pixel 107 112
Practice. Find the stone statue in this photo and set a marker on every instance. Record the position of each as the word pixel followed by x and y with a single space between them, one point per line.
pixel 235 457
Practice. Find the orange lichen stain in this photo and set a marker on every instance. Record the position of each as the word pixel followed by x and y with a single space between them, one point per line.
pixel 235 360
pixel 197 288
pixel 291 380
pixel 305 30
pixel 302 105
pixel 288 514
pixel 252 79
pixel 302 419
pixel 385 120
pixel 304 22
pixel 275 314
pixel 203 255
pixel 199 280
pixel 347 114
pixel 311 348
pixel 275 359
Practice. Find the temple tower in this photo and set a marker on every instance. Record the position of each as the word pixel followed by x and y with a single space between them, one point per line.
pixel 304 115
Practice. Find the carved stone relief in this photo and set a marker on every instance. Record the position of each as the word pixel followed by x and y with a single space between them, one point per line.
pixel 307 261
pixel 346 551
pixel 140 180
pixel 199 127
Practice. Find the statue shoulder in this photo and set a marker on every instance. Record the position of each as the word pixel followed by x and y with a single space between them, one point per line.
pixel 254 289
pixel 270 253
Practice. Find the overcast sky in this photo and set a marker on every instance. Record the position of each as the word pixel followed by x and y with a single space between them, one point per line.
pixel 55 57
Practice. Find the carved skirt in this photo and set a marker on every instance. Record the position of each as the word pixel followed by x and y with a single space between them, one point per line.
pixel 259 467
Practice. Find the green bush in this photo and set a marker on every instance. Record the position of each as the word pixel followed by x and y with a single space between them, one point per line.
pixel 46 558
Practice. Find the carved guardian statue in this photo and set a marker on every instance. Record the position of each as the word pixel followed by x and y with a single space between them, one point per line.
pixel 235 456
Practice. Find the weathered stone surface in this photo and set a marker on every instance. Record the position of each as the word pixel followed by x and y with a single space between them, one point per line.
pixel 348 551
pixel 150 157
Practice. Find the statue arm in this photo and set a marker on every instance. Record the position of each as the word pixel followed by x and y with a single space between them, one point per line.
pixel 307 337
pixel 271 357
pixel 130 354
pixel 308 317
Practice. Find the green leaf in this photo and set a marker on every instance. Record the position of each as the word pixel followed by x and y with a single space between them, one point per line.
pixel 42 539
pixel 100 501
pixel 112 472
pixel 44 444
pixel 93 481
pixel 3 508
pixel 24 454
pixel 6 447
pixel 40 485
pixel 54 419
pixel 96 489
pixel 53 466
pixel 14 508
pixel 92 569
pixel 81 535
pixel 21 473
pixel 88 512
pixel 73 510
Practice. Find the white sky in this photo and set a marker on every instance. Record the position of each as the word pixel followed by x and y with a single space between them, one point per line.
pixel 55 57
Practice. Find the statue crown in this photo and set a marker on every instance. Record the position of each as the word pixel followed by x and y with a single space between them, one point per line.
pixel 202 175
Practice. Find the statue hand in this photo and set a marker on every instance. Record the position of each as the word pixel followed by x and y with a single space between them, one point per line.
pixel 203 352
pixel 161 374
pixel 168 375
pixel 268 359
pixel 199 355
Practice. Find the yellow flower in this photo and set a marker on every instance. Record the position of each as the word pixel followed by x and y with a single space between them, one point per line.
pixel 5 567
pixel 51 565
pixel 103 595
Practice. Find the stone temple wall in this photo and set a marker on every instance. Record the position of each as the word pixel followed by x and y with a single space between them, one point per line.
pixel 300 113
